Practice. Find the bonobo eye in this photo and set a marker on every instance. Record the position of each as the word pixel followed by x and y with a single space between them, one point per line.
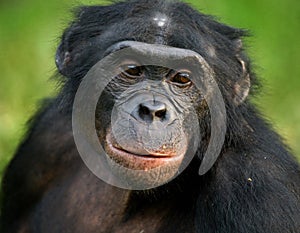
pixel 181 79
pixel 132 71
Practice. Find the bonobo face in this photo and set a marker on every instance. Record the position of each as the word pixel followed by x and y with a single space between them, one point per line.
pixel 147 128
pixel 153 106
pixel 149 116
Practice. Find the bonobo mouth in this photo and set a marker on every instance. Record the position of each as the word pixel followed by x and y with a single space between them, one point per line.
pixel 144 162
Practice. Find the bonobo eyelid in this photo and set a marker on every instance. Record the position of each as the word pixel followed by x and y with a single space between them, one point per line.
pixel 180 78
pixel 132 70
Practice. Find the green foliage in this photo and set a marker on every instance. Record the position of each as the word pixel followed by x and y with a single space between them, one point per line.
pixel 30 30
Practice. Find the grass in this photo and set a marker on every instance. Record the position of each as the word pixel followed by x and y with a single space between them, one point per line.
pixel 29 35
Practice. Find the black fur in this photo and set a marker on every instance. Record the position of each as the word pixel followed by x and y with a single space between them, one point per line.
pixel 254 187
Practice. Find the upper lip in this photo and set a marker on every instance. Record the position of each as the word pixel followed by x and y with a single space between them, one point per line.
pixel 152 154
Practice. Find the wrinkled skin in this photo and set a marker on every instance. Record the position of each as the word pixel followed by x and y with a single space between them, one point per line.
pixel 254 186
pixel 150 125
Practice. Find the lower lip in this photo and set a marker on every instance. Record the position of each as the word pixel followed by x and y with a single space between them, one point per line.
pixel 139 162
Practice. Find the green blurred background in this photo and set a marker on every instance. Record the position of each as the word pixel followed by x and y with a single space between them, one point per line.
pixel 30 30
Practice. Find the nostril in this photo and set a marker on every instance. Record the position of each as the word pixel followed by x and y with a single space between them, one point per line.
pixel 161 113
pixel 150 111
pixel 143 110
pixel 145 113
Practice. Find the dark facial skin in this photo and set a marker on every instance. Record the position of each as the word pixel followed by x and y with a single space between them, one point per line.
pixel 144 121
pixel 150 118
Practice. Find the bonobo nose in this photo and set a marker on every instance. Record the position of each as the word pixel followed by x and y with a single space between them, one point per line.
pixel 151 111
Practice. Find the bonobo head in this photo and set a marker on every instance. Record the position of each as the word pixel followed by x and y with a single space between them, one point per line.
pixel 161 86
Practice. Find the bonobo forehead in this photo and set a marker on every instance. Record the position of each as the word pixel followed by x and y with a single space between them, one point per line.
pixel 158 22
pixel 165 26
pixel 163 22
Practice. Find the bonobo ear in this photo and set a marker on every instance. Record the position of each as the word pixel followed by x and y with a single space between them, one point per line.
pixel 72 42
pixel 62 59
pixel 80 37
pixel 242 85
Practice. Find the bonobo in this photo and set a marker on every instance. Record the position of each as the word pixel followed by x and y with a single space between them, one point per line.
pixel 153 131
